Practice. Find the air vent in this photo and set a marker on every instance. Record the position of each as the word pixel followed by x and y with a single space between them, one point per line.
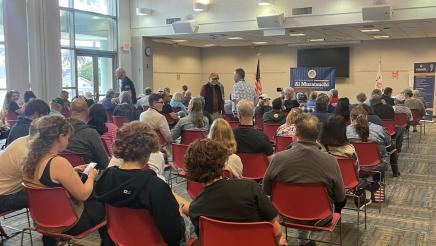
pixel 172 20
pixel 302 11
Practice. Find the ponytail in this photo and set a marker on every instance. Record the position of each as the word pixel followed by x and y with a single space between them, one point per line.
pixel 359 117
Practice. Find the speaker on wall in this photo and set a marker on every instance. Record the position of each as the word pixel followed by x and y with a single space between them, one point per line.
pixel 185 27
pixel 377 13
pixel 271 21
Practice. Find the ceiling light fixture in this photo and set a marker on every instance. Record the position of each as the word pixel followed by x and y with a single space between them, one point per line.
pixel 317 40
pixel 297 34
pixel 370 30
pixel 235 38
pixel 201 5
pixel 381 36
pixel 260 42
pixel 209 45
pixel 143 11
pixel 264 2
pixel 179 40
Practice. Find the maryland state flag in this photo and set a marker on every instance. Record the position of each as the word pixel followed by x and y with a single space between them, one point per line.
pixel 257 84
pixel 378 78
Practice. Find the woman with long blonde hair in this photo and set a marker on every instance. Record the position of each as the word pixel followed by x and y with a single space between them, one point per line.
pixel 222 132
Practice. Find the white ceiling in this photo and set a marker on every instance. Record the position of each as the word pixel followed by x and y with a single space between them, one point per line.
pixel 332 34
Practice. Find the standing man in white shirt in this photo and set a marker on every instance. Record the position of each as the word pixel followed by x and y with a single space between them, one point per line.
pixel 241 90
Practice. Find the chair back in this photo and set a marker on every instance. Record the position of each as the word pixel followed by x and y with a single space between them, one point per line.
pixel 400 120
pixel 50 207
pixel 179 151
pixel 230 117
pixel 66 112
pixel 270 130
pixel 258 120
pixel 217 233
pixel 11 116
pixel 190 135
pixel 254 165
pixel 132 227
pixel 416 115
pixel 120 120
pixel 10 123
pixel 162 141
pixel 301 201
pixel 109 116
pixel 282 142
pixel 389 126
pixel 194 188
pixel 367 154
pixel 348 172
pixel 107 144
pixel 74 159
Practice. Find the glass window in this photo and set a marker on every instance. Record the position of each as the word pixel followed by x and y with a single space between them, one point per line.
pixel 67 56
pixel 94 32
pixel 3 86
pixel 64 3
pixel 105 7
pixel 65 28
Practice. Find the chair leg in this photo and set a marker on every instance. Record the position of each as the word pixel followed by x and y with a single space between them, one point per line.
pixel 28 223
pixel 365 216
pixel 340 231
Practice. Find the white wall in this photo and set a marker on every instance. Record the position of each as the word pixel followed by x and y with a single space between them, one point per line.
pixel 195 64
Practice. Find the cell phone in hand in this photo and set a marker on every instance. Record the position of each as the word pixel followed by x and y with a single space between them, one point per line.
pixel 90 165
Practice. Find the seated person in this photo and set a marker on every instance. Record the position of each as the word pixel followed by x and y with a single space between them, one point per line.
pixel 108 101
pixel 302 100
pixel 155 119
pixel 12 195
pixel 343 108
pixel 288 129
pixel 312 99
pixel 276 115
pixel 98 121
pixel 195 119
pixel 143 101
pixel 34 109
pixel 373 118
pixel 56 107
pixel 321 108
pixel 156 163
pixel 176 103
pixel 289 101
pixel 400 108
pixel 305 163
pixel 135 142
pixel 263 105
pixel 44 168
pixel 364 131
pixel 414 103
pixel 248 138
pixel 84 140
pixel 235 200
pixel 125 108
pixel 221 131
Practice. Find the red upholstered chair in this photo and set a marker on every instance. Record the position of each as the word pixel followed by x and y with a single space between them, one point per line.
pixel 107 144
pixel 74 159
pixel 132 227
pixel 416 121
pixel 400 120
pixel 179 151
pixel 11 119
pixel 50 209
pixel 234 124
pixel 109 116
pixel 282 142
pixel 217 233
pixel 194 188
pixel 254 165
pixel 189 136
pixel 270 131
pixel 312 205
pixel 66 112
pixel 120 120
pixel 389 126
pixel 230 117
pixel 350 179
pixel 258 120
pixel 162 141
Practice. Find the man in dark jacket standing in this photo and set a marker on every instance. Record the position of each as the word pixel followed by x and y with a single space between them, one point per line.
pixel 85 141
pixel 34 109
pixel 212 95
pixel 126 83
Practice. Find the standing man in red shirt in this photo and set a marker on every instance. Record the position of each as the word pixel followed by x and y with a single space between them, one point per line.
pixel 211 92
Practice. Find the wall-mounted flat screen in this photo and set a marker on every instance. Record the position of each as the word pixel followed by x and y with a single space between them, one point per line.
pixel 338 58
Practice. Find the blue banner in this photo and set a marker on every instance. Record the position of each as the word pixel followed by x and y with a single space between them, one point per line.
pixel 316 78
pixel 425 84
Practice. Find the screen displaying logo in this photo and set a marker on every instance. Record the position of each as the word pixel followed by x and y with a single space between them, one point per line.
pixel 311 74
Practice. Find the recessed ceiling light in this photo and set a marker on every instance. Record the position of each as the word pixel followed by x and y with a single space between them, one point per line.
pixel 235 38
pixel 209 45
pixel 297 34
pixel 316 40
pixel 260 42
pixel 264 2
pixel 370 30
pixel 200 6
pixel 381 36
pixel 143 11
pixel 179 40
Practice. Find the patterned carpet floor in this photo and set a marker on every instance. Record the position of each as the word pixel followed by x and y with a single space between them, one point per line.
pixel 408 216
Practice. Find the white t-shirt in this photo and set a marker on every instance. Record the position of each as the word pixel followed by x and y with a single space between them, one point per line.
pixel 11 166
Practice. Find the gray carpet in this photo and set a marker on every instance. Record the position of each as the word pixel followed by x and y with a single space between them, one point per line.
pixel 408 216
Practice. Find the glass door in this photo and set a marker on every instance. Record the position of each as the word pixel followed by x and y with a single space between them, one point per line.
pixel 94 74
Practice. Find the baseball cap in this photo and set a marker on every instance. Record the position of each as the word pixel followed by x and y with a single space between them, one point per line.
pixel 301 96
pixel 264 96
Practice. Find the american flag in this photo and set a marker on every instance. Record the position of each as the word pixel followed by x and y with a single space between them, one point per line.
pixel 378 78
pixel 257 84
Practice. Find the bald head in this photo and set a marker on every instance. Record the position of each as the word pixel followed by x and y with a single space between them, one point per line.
pixel 307 127
pixel 120 73
pixel 79 109
pixel 245 109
